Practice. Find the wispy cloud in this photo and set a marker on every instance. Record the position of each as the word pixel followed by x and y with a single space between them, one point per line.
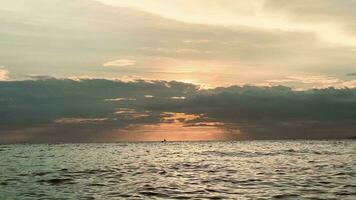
pixel 307 80
pixel 178 98
pixel 121 99
pixel 79 120
pixel 120 63
pixel 313 82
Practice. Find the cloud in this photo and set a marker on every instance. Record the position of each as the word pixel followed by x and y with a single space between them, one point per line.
pixel 316 10
pixel 307 80
pixel 78 37
pixel 178 98
pixel 349 84
pixel 78 111
pixel 316 16
pixel 4 74
pixel 315 79
pixel 120 63
pixel 312 81
pixel 275 112
pixel 351 74
pixel 79 120
pixel 64 105
pixel 131 113
pixel 121 99
pixel 332 20
pixel 40 77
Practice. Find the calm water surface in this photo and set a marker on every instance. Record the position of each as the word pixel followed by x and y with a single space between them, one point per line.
pixel 180 170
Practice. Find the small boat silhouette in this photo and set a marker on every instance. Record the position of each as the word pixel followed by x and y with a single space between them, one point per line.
pixel 163 141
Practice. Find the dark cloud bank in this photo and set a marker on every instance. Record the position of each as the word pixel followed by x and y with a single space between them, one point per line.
pixel 54 110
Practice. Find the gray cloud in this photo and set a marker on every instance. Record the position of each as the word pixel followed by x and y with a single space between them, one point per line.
pixel 279 112
pixel 351 74
pixel 54 110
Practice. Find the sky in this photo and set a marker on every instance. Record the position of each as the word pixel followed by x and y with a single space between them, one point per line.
pixel 302 44
pixel 230 54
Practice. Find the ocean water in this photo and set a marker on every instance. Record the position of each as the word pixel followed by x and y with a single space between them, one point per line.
pixel 180 170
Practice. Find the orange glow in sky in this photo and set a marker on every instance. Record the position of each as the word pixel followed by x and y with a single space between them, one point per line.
pixel 174 127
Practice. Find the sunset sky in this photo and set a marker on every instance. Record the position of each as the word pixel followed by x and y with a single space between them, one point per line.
pixel 302 44
pixel 61 48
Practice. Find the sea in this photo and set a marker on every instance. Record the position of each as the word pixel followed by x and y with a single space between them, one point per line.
pixel 298 169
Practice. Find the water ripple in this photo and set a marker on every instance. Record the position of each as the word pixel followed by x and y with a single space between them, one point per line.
pixel 186 170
